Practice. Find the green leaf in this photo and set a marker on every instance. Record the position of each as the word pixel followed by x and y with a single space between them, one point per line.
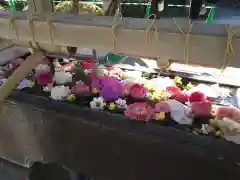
pixel 80 75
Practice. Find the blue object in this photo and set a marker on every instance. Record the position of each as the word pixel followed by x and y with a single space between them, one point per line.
pixel 226 16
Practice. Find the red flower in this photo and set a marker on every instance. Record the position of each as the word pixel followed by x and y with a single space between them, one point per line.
pixel 139 111
pixel 80 89
pixel 171 90
pixel 181 97
pixel 43 79
pixel 201 108
pixel 87 64
pixel 137 91
pixel 162 107
pixel 196 96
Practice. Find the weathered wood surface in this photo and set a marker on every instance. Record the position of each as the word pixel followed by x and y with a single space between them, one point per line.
pixel 207 43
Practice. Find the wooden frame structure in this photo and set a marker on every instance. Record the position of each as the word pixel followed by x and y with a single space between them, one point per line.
pixel 166 38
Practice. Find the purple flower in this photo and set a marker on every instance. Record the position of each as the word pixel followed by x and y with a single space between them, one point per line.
pixel 111 88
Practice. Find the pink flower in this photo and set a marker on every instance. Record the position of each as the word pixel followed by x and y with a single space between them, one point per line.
pixel 171 90
pixel 87 64
pixel 229 112
pixel 196 96
pixel 43 79
pixel 201 108
pixel 68 67
pixel 80 89
pixel 126 89
pixel 139 111
pixel 162 107
pixel 181 97
pixel 137 91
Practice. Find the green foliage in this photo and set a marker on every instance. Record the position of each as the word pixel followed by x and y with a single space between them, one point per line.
pixel 66 6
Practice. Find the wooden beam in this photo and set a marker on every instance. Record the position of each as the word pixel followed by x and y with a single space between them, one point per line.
pixel 207 43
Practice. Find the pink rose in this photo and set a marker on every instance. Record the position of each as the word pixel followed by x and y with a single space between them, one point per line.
pixel 201 108
pixel 139 111
pixel 162 107
pixel 137 91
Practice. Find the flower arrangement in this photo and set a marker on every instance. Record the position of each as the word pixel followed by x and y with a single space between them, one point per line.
pixel 133 95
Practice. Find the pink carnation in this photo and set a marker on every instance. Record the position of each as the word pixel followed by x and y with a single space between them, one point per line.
pixel 171 90
pixel 139 111
pixel 229 112
pixel 137 91
pixel 87 64
pixel 181 97
pixel 80 89
pixel 201 108
pixel 162 107
pixel 196 96
pixel 44 79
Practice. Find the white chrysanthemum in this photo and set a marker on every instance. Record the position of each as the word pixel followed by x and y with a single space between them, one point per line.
pixel 59 92
pixel 61 77
pixel 206 128
pixel 121 103
pixel 97 103
pixel 43 68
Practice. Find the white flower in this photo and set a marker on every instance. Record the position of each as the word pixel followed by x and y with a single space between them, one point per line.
pixel 206 128
pixel 97 103
pixel 42 68
pixel 121 103
pixel 56 64
pixel 61 77
pixel 59 92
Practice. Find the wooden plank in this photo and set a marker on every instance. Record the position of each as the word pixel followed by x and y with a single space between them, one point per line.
pixel 18 75
pixel 206 45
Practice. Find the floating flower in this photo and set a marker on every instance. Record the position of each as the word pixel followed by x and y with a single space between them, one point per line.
pixel 111 106
pixel 81 89
pixel 126 90
pixel 139 111
pixel 162 107
pixel 68 67
pixel 31 84
pixel 62 77
pixel 201 108
pixel 172 90
pixel 60 92
pixel 111 88
pixel 25 83
pixel 228 112
pixel 196 96
pixel 137 91
pixel 181 97
pixel 71 98
pixel 178 80
pixel 97 103
pixel 43 74
pixel 15 63
pixel 87 64
pixel 43 78
pixel 121 103
pixel 189 86
pixel 160 116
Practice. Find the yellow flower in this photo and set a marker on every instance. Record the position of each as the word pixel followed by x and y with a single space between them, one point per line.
pixel 189 86
pixel 71 98
pixel 111 106
pixel 160 116
pixel 155 96
pixel 31 85
pixel 94 90
pixel 178 80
